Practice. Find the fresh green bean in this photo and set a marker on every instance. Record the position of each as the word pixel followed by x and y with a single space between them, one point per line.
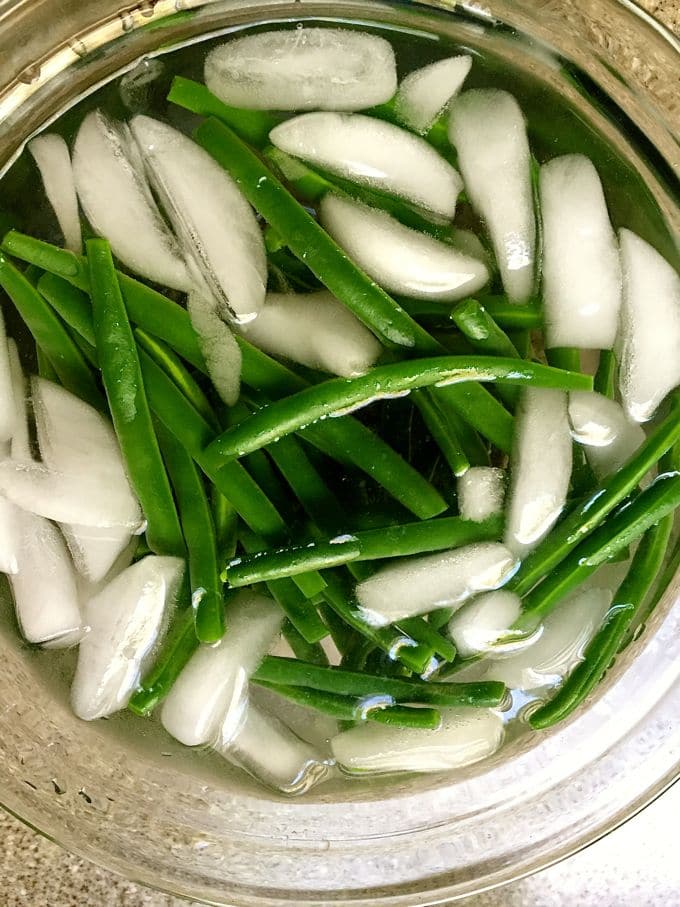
pixel 440 617
pixel 594 508
pixel 253 126
pixel 310 242
pixel 173 658
pixel 566 357
pixel 397 645
pixel 365 545
pixel 72 304
pixel 625 526
pixel 443 430
pixel 305 651
pixel 128 403
pixel 662 584
pixel 291 672
pixel 347 708
pixel 199 535
pixel 338 395
pixel 50 335
pixel 146 307
pixel 485 335
pixel 602 649
pixel 605 376
pixel 45 367
pixel 170 362
pixel 423 632
pixel 225 520
pixel 506 314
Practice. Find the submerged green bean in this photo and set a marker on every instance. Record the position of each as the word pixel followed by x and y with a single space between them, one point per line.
pixel 594 508
pixel 290 672
pixel 485 335
pixel 348 708
pixel 442 428
pixel 199 535
pixel 305 651
pixel 338 395
pixel 602 649
pixel 365 545
pixel 128 404
pixel 605 376
pixel 72 304
pixel 50 335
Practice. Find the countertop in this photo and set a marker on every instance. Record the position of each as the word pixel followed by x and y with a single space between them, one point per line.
pixel 635 866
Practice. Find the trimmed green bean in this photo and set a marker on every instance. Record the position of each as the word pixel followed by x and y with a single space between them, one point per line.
pixel 602 649
pixel 506 314
pixel 605 376
pixel 347 708
pixel 440 617
pixel 338 395
pixel 305 651
pixel 170 362
pixel 566 357
pixel 593 509
pixel 199 535
pixel 50 335
pixel 290 672
pixel 72 304
pixel 253 126
pixel 625 526
pixel 423 632
pixel 443 430
pixel 365 545
pixel 128 403
pixel 485 335
pixel 174 656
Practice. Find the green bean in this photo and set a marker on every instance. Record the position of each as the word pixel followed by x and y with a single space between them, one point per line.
pixel 253 126
pixel 663 582
pixel 174 656
pixel 190 428
pixel 347 708
pixel 365 545
pixel 337 395
pixel 199 535
pixel 170 362
pixel 128 403
pixel 225 519
pixel 602 649
pixel 485 335
pixel 624 527
pixel 305 651
pixel 45 367
pixel 72 304
pixel 309 241
pixel 506 314
pixel 50 335
pixel 290 672
pixel 593 509
pixel 397 645
pixel 146 307
pixel 425 633
pixel 443 430
pixel 440 617
pixel 605 376
pixel 566 357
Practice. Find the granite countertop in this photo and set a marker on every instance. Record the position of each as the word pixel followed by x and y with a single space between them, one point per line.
pixel 635 866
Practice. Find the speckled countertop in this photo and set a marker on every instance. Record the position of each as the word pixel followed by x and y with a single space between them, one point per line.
pixel 635 866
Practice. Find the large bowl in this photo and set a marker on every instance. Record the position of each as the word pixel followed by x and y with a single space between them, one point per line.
pixel 122 794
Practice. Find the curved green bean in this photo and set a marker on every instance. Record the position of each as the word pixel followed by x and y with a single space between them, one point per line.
pixel 291 672
pixel 347 708
pixel 338 395
pixel 128 403
pixel 199 535
pixel 50 335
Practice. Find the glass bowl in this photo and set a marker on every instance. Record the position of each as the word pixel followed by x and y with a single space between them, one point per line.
pixel 124 795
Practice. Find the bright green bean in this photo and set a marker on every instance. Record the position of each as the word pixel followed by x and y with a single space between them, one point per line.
pixel 347 708
pixel 628 524
pixel 365 545
pixel 50 335
pixel 305 651
pixel 593 509
pixel 199 535
pixel 128 403
pixel 337 395
pixel 72 304
pixel 289 671
pixel 602 649
pixel 443 430
pixel 423 632
pixel 225 519
pixel 567 357
pixel 605 376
